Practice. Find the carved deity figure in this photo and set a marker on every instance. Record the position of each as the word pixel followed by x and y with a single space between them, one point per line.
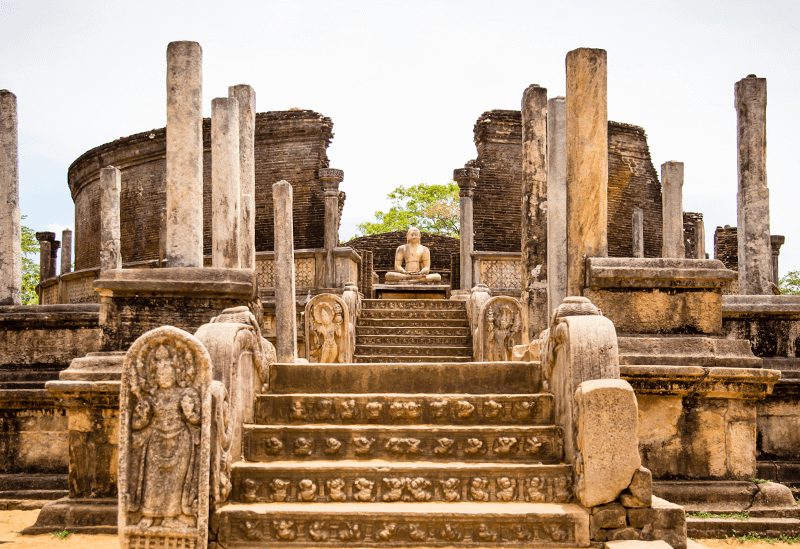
pixel 417 259
pixel 165 427
pixel 325 333
pixel 501 331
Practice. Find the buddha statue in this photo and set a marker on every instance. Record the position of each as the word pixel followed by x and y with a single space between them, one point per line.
pixel 417 259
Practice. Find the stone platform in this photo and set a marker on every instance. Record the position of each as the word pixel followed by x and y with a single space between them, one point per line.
pixel 412 291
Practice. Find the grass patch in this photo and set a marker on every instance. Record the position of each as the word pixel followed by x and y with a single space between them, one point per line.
pixel 755 536
pixel 63 534
pixel 758 480
pixel 744 515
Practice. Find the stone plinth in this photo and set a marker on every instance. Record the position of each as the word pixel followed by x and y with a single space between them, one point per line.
pixel 556 202
pixel 587 162
pixel 225 192
pixel 659 296
pixel 672 196
pixel 246 98
pixel 411 291
pixel 134 301
pixel 10 217
pixel 770 322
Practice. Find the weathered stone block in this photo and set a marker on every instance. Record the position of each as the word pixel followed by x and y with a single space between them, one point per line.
pixel 610 515
pixel 771 494
pixel 626 533
pixel 642 485
pixel 662 515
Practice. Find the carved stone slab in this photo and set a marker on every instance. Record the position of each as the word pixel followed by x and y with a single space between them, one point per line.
pixel 268 443
pixel 499 329
pixel 491 409
pixel 164 441
pixel 328 338
pixel 413 304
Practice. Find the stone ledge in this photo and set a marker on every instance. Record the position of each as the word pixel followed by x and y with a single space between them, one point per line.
pixel 50 316
pixel 606 272
pixel 734 306
pixel 695 381
pixel 687 351
pixel 190 281
pixel 27 399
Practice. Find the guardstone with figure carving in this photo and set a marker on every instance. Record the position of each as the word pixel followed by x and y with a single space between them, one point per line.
pixel 328 338
pixel 499 329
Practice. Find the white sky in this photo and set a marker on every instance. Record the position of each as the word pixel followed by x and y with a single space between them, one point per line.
pixel 405 81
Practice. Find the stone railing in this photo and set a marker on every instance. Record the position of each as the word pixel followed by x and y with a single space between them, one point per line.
pixel 76 287
pixel 309 269
pixel 500 271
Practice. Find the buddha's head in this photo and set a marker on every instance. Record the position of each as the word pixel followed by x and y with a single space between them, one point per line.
pixel 412 236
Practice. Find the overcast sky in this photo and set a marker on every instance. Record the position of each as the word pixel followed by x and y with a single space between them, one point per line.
pixel 405 81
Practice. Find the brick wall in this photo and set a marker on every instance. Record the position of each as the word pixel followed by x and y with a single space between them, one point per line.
pixel 632 183
pixel 726 247
pixel 383 247
pixel 289 145
pixel 690 221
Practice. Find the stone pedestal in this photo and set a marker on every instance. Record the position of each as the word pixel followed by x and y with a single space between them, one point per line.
pixel 10 219
pixel 672 196
pixel 556 202
pixel 225 183
pixel 534 212
pixel 285 320
pixel 246 98
pixel 638 233
pixel 411 291
pixel 110 247
pixel 467 179
pixel 755 256
pixel 330 181
pixel 587 162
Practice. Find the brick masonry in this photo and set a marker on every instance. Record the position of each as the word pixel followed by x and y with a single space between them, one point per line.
pixel 726 247
pixel 690 221
pixel 289 145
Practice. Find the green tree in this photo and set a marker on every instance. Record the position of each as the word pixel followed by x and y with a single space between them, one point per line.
pixel 431 208
pixel 30 267
pixel 790 284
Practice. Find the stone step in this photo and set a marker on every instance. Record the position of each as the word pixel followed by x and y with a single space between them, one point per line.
pixel 33 494
pixel 404 314
pixel 413 304
pixel 405 409
pixel 411 323
pixel 268 443
pixel 40 375
pixel 440 331
pixel 13 385
pixel 407 377
pixel 15 482
pixel 464 524
pixel 412 351
pixel 720 528
pixel 388 482
pixel 428 340
pixel 392 359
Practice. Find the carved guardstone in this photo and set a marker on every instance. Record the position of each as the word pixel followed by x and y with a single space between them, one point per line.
pixel 499 329
pixel 328 330
pixel 165 432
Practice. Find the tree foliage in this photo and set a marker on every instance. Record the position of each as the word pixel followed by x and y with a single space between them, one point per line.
pixel 431 208
pixel 30 267
pixel 790 284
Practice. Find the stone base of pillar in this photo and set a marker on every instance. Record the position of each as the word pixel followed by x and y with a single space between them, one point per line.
pixel 134 301
pixel 76 515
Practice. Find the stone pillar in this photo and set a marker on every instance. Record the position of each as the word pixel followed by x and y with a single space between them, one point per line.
pixel 184 155
pixel 587 162
pixel 330 181
pixel 46 240
pixel 638 232
pixel 225 181
pixel 672 210
pixel 285 313
pixel 556 203
pixel 467 179
pixel 66 251
pixel 776 241
pixel 755 256
pixel 10 218
pixel 246 97
pixel 110 189
pixel 54 257
pixel 534 212
pixel 368 269
pixel 700 239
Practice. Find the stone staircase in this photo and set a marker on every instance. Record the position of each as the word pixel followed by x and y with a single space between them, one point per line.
pixel 423 455
pixel 413 330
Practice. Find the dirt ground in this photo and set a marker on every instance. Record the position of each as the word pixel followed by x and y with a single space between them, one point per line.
pixel 12 522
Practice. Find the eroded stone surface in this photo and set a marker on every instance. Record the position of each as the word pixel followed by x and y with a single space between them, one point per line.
pixel 110 189
pixel 225 183
pixel 672 194
pixel 285 319
pixel 556 202
pixel 772 494
pixel 246 98
pixel 10 217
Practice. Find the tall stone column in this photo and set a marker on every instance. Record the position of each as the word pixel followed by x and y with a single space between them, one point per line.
pixel 46 240
pixel 66 251
pixel 246 97
pixel 700 239
pixel 184 155
pixel 587 162
pixel 755 256
pixel 776 242
pixel 534 212
pixel 638 233
pixel 330 181
pixel 285 314
pixel 10 218
pixel 672 210
pixel 556 202
pixel 110 189
pixel 225 182
pixel 54 257
pixel 467 179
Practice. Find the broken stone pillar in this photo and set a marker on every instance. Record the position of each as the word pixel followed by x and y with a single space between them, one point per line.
pixel 672 203
pixel 184 155
pixel 467 179
pixel 66 251
pixel 776 241
pixel 46 240
pixel 330 181
pixel 246 97
pixel 225 183
pixel 285 314
pixel 10 218
pixel 556 202
pixel 755 255
pixel 534 212
pixel 638 233
pixel 110 248
pixel 587 162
